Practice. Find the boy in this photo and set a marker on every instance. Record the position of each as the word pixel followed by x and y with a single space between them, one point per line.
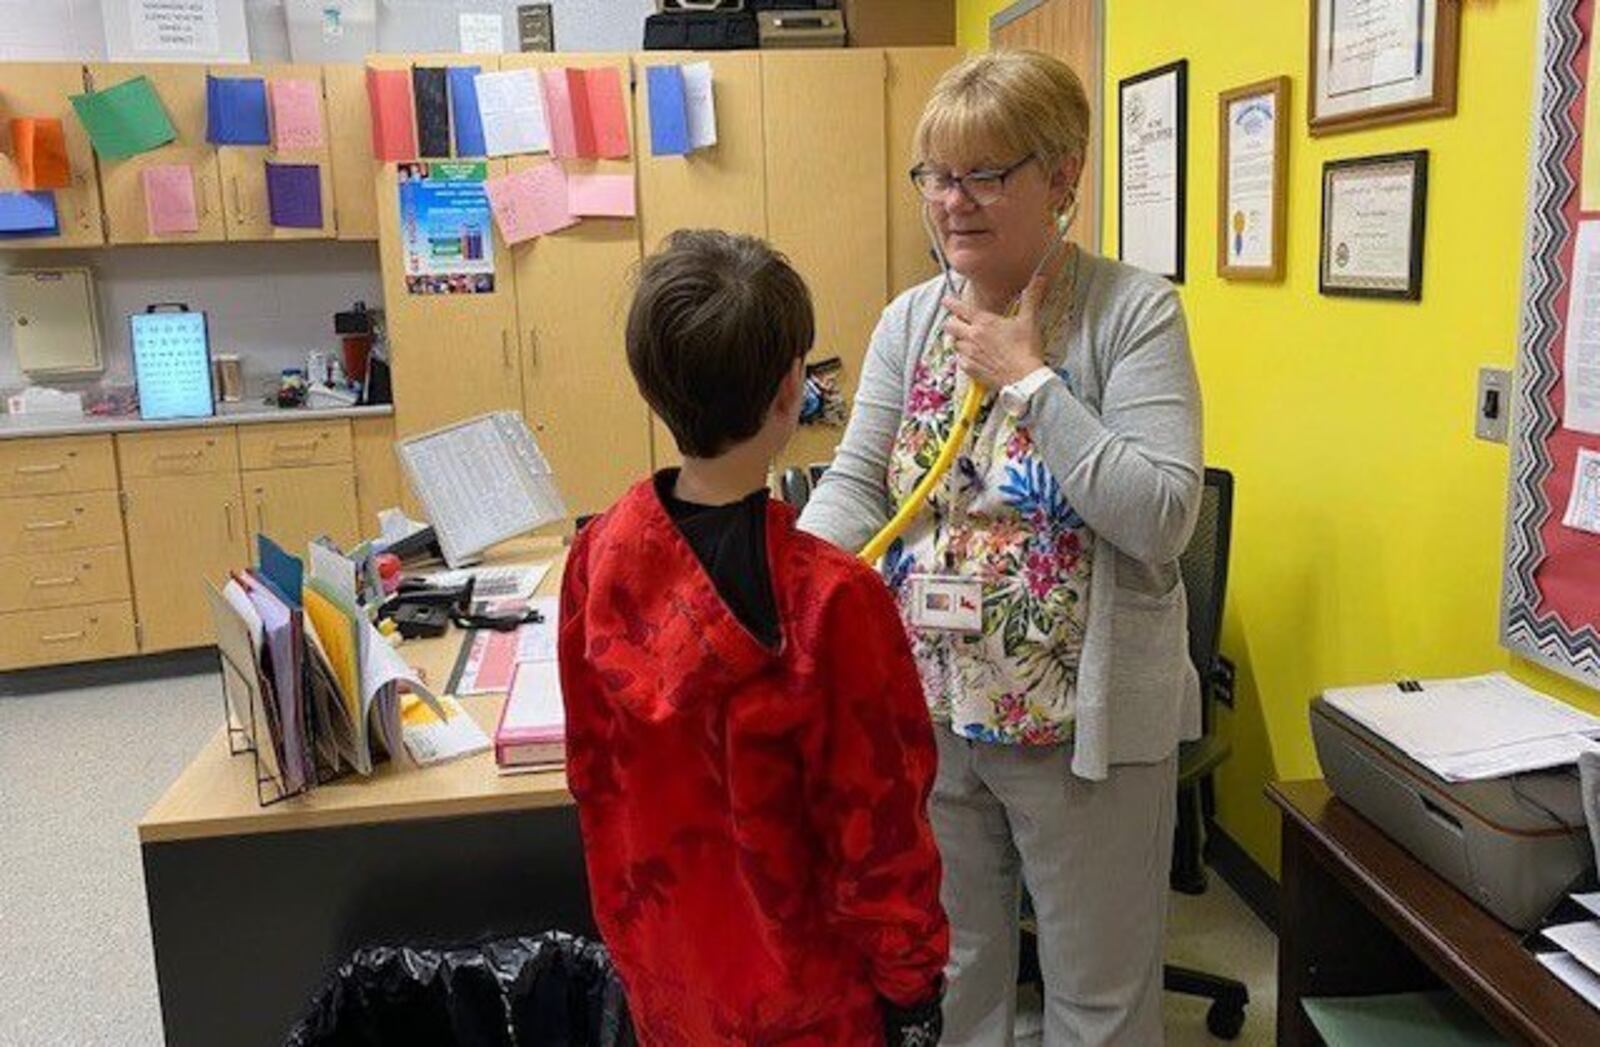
pixel 746 735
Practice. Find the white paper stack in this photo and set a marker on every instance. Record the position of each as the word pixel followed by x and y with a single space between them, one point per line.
pixel 1474 728
pixel 1579 964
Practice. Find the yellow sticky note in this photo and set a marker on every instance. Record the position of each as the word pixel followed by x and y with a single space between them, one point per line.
pixel 414 712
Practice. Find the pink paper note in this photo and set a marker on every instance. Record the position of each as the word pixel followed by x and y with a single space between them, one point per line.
pixel 169 199
pixel 530 203
pixel 558 111
pixel 604 87
pixel 296 114
pixel 600 195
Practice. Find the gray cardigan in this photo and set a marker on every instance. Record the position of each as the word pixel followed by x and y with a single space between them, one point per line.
pixel 1126 449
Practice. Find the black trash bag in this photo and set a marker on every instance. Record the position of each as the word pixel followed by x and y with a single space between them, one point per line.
pixel 551 991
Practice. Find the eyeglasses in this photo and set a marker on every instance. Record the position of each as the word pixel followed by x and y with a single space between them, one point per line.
pixel 981 187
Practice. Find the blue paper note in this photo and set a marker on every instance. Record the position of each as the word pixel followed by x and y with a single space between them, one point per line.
pixel 669 111
pixel 464 110
pixel 236 111
pixel 28 214
pixel 285 573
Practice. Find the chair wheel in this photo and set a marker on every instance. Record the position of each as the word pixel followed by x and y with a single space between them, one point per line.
pixel 1225 1021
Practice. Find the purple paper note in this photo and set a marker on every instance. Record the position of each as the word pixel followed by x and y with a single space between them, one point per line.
pixel 294 195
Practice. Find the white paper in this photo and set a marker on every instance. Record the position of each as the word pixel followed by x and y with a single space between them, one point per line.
pixel 1581 940
pixel 31 31
pixel 435 742
pixel 1150 175
pixel 1580 366
pixel 535 699
pixel 1583 506
pixel 700 98
pixel 482 32
pixel 1373 53
pixel 382 665
pixel 334 569
pixel 1252 141
pixel 1590 901
pixel 1369 225
pixel 1577 977
pixel 536 641
pixel 1479 727
pixel 175 27
pixel 501 582
pixel 511 106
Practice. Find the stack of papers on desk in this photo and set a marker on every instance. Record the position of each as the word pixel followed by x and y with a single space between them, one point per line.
pixel 1479 727
pixel 1578 965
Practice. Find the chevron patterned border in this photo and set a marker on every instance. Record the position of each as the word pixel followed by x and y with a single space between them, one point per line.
pixel 1545 639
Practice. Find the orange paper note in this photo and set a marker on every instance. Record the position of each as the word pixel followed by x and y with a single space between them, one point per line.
pixel 296 115
pixel 607 114
pixel 169 199
pixel 39 146
pixel 394 136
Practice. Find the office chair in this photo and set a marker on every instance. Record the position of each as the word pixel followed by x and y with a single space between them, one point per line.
pixel 1204 566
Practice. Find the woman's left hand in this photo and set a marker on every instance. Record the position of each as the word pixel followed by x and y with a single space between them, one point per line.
pixel 998 350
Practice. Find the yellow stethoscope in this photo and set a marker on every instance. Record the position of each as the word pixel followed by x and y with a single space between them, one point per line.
pixel 966 417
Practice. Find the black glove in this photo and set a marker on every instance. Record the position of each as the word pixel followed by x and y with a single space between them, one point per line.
pixel 917 1026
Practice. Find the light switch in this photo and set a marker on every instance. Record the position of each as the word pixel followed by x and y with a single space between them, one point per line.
pixel 1493 408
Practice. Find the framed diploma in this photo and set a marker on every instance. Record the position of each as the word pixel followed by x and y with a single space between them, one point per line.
pixel 1252 158
pixel 1152 166
pixel 1374 211
pixel 1382 62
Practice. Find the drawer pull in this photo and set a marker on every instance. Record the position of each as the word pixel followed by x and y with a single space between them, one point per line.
pixel 227 512
pixel 294 445
pixel 181 455
pixel 48 525
pixel 55 583
pixel 40 470
pixel 61 637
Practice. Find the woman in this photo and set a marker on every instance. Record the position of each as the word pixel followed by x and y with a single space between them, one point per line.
pixel 1059 708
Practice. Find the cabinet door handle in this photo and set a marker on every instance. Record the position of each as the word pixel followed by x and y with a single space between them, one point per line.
pixel 238 201
pixel 48 525
pixel 294 445
pixel 40 470
pixel 202 196
pixel 179 456
pixel 533 346
pixel 55 583
pixel 261 517
pixel 61 637
pixel 227 514
pixel 505 348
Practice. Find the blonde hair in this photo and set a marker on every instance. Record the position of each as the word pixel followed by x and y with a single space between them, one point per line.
pixel 1002 106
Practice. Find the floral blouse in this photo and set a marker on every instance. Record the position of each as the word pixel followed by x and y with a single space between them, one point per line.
pixel 1000 516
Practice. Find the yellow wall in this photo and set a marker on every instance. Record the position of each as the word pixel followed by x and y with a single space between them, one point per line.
pixel 1368 521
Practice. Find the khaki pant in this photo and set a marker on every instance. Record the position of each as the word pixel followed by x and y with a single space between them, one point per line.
pixel 1095 858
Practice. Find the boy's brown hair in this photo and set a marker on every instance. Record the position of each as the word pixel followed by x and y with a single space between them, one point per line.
pixel 717 320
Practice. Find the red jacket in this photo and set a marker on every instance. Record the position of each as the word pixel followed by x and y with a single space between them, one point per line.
pixel 754 821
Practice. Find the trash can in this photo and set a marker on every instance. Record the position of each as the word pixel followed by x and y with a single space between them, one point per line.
pixel 553 990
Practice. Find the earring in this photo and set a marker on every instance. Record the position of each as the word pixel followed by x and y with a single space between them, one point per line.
pixel 1067 214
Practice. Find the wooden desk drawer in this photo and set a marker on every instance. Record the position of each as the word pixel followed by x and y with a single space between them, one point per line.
pixel 56 465
pixel 273 445
pixel 69 579
pixel 49 523
pixel 179 452
pixel 66 634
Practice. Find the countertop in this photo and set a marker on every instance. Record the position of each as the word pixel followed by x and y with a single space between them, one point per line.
pixel 18 426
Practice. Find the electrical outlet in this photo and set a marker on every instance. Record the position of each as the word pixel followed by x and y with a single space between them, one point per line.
pixel 1492 410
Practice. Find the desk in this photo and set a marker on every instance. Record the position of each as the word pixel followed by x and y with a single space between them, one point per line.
pixel 251 907
pixel 1360 916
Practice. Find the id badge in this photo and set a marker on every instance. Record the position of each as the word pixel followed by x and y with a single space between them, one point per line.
pixel 948 603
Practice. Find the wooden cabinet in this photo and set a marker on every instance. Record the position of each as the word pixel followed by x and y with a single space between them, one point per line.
pixel 51 523
pixel 243 168
pixel 178 452
pixel 43 89
pixel 826 207
pixel 293 506
pixel 723 187
pixel 181 529
pixel 577 392
pixel 182 90
pixel 378 482
pixel 912 72
pixel 63 579
pixel 282 444
pixel 56 465
pixel 355 172
pixel 66 634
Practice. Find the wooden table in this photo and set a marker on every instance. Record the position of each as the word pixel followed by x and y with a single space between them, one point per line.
pixel 251 907
pixel 1361 916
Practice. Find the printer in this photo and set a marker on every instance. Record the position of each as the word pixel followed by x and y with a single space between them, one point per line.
pixel 1515 845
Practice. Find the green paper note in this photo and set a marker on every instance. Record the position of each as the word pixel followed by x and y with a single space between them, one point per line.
pixel 124 120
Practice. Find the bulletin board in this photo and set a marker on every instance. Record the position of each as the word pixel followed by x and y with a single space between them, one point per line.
pixel 1550 610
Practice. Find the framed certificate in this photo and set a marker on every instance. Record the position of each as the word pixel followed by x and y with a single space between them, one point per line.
pixel 1252 161
pixel 1152 155
pixel 1382 62
pixel 1374 212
